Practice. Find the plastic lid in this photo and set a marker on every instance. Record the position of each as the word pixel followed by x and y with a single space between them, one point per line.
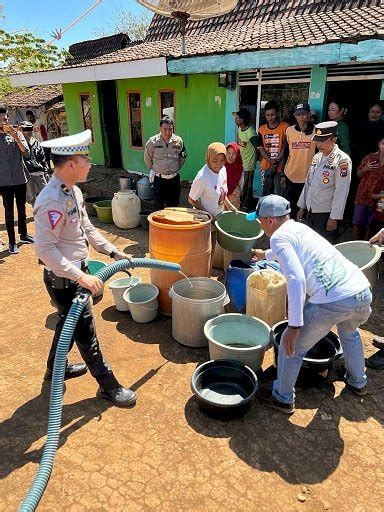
pixel 180 216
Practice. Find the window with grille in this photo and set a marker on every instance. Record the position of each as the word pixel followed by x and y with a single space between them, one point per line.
pixel 135 121
pixel 167 104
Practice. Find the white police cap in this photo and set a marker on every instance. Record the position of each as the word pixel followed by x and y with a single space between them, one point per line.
pixel 77 144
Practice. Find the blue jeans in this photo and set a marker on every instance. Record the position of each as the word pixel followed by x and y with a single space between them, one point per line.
pixel 347 314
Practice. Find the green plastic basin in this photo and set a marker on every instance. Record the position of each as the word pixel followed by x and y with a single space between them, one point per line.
pixel 93 267
pixel 104 211
pixel 235 233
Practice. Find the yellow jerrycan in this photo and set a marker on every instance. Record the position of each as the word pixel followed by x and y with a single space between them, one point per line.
pixel 267 296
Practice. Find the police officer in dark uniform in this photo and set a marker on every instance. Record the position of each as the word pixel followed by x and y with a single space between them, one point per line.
pixel 63 233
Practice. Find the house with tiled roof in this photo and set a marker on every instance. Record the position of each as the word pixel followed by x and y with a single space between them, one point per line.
pixel 289 50
pixel 45 101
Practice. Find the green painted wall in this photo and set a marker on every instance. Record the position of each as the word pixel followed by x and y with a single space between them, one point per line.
pixel 317 90
pixel 74 117
pixel 199 116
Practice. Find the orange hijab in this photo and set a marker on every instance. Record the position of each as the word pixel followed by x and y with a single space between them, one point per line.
pixel 214 149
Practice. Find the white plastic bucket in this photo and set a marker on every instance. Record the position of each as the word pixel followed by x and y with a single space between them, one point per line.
pixel 118 287
pixel 194 301
pixel 142 301
pixel 238 337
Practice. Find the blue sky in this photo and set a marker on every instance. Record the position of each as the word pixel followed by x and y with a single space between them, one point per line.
pixel 43 16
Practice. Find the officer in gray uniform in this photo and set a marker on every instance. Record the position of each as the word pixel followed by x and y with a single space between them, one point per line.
pixel 164 155
pixel 327 184
pixel 63 233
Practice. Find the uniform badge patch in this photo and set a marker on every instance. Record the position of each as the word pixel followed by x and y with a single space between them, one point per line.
pixel 69 203
pixel 54 216
pixel 325 181
pixel 343 174
pixel 325 173
pixel 343 165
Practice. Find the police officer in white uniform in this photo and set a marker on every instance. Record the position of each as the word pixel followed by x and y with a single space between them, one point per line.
pixel 327 184
pixel 63 233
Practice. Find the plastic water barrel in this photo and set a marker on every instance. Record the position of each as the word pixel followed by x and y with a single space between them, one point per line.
pixel 179 235
pixel 125 209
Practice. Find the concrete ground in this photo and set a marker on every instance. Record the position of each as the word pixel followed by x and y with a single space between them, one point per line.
pixel 164 454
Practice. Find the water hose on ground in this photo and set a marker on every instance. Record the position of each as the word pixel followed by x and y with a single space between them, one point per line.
pixel 43 473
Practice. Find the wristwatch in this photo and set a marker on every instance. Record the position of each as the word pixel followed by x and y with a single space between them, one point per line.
pixel 294 326
pixel 112 254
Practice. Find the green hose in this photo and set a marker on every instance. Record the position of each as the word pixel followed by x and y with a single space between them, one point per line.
pixel 41 479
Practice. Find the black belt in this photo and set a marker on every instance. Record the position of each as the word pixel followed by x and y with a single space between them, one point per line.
pixel 58 282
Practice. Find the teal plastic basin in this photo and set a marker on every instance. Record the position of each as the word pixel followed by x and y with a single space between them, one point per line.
pixel 95 265
pixel 235 233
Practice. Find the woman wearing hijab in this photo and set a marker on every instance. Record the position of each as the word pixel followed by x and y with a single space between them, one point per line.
pixel 234 166
pixel 209 192
pixel 209 189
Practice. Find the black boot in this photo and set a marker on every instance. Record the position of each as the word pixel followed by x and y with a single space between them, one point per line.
pixel 377 360
pixel 120 396
pixel 378 341
pixel 72 371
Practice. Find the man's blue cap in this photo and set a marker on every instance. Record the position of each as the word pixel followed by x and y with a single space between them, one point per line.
pixel 270 206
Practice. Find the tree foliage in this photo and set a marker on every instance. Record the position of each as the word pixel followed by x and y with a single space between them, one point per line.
pixel 122 21
pixel 23 52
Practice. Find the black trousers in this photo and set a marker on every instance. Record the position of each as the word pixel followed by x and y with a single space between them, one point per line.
pixel 318 222
pixel 85 331
pixel 247 200
pixel 9 194
pixel 292 192
pixel 167 192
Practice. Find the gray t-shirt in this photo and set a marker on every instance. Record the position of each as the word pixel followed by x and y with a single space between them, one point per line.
pixel 12 169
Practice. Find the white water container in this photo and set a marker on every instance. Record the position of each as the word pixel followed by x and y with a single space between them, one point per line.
pixel 125 209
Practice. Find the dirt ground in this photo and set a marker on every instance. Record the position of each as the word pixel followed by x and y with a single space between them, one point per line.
pixel 164 454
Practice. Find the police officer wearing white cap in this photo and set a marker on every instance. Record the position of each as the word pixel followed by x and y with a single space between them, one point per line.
pixel 327 184
pixel 63 233
pixel 324 290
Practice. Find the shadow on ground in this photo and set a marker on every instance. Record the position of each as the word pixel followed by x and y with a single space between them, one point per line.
pixel 269 441
pixel 29 423
pixel 156 332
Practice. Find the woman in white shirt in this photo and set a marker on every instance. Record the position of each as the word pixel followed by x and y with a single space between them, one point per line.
pixel 209 188
pixel 209 192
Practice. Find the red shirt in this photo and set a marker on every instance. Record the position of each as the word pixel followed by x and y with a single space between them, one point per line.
pixel 378 215
pixel 368 181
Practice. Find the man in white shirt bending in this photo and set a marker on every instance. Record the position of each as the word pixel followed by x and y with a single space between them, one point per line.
pixel 324 289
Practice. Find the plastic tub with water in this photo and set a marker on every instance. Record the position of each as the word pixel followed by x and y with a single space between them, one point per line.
pixel 142 301
pixel 224 389
pixel 235 233
pixel 320 356
pixel 239 338
pixel 118 288
pixel 364 255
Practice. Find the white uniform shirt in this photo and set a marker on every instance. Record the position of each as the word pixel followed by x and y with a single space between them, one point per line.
pixel 313 267
pixel 210 189
pixel 327 184
pixel 63 230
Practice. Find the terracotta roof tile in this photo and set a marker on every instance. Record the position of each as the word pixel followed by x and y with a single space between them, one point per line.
pixel 261 10
pixel 34 96
pixel 310 28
